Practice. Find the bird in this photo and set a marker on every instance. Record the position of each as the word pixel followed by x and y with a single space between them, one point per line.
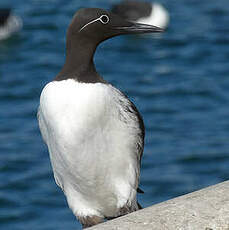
pixel 94 133
pixel 9 23
pixel 142 12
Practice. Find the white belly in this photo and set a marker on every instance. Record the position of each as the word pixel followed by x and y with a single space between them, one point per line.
pixel 92 145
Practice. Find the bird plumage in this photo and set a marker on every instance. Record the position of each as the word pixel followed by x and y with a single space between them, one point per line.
pixel 94 133
pixel 95 138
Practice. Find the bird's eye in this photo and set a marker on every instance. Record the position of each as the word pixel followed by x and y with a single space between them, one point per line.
pixel 104 19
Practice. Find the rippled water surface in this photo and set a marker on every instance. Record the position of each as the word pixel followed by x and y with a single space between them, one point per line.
pixel 179 81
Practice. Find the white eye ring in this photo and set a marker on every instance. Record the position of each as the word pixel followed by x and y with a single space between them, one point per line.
pixel 104 19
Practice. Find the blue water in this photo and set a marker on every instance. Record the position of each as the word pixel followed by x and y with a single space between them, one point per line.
pixel 179 81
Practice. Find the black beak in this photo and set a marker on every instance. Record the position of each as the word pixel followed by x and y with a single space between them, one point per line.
pixel 138 28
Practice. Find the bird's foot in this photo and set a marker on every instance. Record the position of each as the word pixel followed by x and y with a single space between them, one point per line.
pixel 88 221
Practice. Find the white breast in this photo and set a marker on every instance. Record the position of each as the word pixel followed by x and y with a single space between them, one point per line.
pixel 92 145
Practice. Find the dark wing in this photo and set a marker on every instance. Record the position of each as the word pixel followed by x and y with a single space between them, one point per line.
pixel 140 146
pixel 131 109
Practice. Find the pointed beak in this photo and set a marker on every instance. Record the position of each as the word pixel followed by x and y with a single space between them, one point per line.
pixel 138 28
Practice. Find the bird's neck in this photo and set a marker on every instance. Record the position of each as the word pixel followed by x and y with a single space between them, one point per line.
pixel 79 64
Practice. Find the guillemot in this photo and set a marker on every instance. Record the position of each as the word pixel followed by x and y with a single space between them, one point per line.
pixel 142 12
pixel 9 23
pixel 94 133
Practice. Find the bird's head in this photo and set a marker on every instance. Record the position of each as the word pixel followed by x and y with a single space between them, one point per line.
pixel 97 25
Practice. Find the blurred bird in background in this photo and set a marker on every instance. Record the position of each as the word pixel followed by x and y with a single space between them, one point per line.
pixel 9 23
pixel 142 12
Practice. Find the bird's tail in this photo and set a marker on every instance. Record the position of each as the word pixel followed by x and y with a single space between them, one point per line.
pixel 139 206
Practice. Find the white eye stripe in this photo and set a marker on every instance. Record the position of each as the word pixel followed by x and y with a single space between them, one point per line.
pixel 104 19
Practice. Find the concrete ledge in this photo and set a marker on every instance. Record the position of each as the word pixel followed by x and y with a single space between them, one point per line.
pixel 206 209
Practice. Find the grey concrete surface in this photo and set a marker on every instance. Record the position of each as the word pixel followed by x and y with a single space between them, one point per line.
pixel 206 209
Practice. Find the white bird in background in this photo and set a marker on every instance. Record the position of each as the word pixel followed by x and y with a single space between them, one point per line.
pixel 9 23
pixel 143 12
pixel 94 133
